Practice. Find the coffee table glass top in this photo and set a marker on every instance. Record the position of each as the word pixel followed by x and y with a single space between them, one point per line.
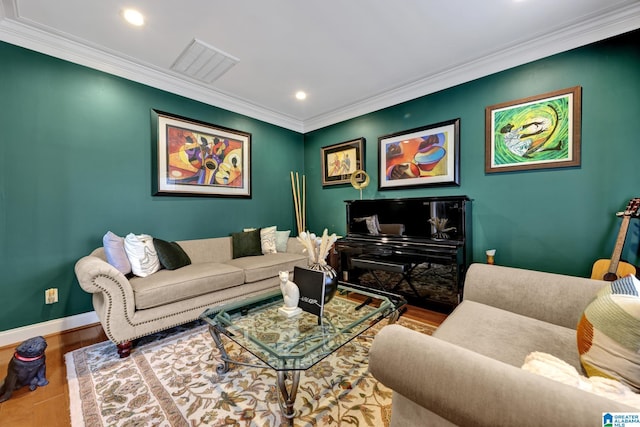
pixel 299 342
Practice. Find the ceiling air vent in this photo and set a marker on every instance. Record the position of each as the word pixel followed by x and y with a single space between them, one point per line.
pixel 203 62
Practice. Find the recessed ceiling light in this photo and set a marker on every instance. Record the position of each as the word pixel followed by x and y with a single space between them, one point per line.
pixel 133 17
pixel 301 95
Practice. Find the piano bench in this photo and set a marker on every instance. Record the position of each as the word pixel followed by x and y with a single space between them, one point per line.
pixel 389 265
pixel 370 263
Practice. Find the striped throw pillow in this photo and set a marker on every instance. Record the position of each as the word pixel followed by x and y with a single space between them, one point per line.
pixel 609 333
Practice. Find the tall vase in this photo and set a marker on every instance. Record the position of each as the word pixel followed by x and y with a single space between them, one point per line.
pixel 330 279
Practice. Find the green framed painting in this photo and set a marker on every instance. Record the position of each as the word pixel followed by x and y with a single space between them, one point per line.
pixel 538 132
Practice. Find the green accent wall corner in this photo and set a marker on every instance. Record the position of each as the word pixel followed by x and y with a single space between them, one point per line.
pixel 75 162
pixel 556 220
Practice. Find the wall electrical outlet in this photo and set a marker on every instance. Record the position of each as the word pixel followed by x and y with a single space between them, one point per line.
pixel 51 296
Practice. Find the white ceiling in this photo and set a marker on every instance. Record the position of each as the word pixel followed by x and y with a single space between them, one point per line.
pixel 351 56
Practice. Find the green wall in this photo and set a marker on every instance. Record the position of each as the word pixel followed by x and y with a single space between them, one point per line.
pixel 75 161
pixel 557 220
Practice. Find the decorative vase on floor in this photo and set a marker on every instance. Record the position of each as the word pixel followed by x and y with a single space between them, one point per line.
pixel 330 279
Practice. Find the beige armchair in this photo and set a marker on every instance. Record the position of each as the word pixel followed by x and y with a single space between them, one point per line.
pixel 469 372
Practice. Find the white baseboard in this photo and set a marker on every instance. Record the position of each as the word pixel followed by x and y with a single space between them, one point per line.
pixel 17 335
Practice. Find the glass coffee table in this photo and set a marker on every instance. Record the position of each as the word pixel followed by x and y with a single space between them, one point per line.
pixel 290 345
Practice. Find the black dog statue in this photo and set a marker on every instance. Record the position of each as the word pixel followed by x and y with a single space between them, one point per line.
pixel 27 367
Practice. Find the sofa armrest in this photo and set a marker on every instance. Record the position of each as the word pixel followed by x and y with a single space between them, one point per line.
pixel 113 297
pixel 553 298
pixel 469 389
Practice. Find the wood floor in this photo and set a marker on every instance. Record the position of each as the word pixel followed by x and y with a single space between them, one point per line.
pixel 49 405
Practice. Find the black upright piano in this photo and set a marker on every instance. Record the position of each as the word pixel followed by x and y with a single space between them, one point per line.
pixel 417 247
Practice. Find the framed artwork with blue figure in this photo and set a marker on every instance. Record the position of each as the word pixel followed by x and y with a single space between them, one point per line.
pixel 538 132
pixel 194 158
pixel 425 156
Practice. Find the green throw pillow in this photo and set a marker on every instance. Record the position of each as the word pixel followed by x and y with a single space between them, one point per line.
pixel 246 243
pixel 170 254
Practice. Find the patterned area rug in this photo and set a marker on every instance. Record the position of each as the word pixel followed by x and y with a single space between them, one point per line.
pixel 170 379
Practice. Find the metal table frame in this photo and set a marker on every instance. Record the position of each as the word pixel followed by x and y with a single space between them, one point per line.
pixel 289 391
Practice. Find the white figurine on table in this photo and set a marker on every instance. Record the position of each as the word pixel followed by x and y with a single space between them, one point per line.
pixel 291 295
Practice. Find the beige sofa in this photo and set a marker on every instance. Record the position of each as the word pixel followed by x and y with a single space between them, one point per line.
pixel 469 372
pixel 129 308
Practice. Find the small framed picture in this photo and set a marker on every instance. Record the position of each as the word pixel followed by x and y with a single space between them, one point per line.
pixel 425 156
pixel 341 160
pixel 538 132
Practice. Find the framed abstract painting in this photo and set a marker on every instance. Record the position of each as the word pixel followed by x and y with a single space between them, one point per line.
pixel 194 158
pixel 425 156
pixel 537 132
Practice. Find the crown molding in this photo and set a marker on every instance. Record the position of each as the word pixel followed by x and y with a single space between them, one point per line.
pixel 598 28
pixel 30 37
pixel 22 33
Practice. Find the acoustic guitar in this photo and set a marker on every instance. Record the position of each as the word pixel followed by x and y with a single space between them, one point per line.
pixel 612 269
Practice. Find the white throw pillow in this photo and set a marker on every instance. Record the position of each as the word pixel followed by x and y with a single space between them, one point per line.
pixel 142 254
pixel 114 250
pixel 282 238
pixel 557 369
pixel 268 240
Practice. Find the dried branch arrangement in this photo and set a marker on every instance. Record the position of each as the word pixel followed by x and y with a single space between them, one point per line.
pixel 317 248
pixel 299 201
